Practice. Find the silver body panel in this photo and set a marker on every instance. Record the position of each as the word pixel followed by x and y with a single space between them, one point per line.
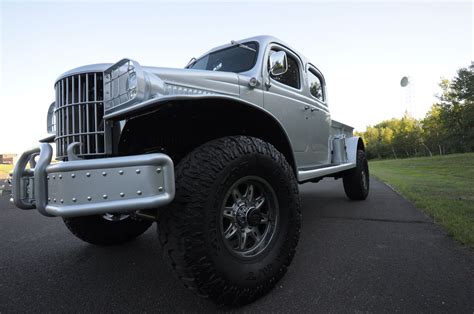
pixel 320 147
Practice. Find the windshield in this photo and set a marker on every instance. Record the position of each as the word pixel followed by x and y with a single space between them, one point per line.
pixel 232 59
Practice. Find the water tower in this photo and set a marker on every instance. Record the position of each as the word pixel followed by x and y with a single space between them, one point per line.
pixel 407 84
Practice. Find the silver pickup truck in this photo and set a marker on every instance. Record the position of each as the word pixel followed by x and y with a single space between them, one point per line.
pixel 213 153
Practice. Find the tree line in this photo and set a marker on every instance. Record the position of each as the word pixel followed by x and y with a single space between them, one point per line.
pixel 447 128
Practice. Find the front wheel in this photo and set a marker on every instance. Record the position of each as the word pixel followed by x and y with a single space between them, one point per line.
pixel 232 230
pixel 356 180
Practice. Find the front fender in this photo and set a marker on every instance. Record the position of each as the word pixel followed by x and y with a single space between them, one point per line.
pixel 216 102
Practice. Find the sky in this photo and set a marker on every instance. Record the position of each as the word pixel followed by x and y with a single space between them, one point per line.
pixel 362 48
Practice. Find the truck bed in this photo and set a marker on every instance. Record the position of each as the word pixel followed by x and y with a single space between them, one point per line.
pixel 339 128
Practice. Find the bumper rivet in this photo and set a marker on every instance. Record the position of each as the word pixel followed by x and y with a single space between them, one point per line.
pixel 104 196
pixel 54 200
pixel 47 177
pixel 49 199
pixel 139 192
pixel 60 176
pixel 89 198
pixel 120 172
pixel 73 175
pixel 137 171
pixel 122 194
pixel 104 173
pixel 158 170
pixel 62 201
pixel 54 177
pixel 88 174
pixel 160 188
pixel 74 199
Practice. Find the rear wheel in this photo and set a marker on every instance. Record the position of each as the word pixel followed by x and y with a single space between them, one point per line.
pixel 356 181
pixel 106 229
pixel 232 230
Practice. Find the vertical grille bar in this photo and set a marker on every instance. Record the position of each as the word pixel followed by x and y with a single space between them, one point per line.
pixel 79 94
pixel 56 112
pixel 87 115
pixel 73 109
pixel 59 119
pixel 68 131
pixel 63 95
pixel 95 113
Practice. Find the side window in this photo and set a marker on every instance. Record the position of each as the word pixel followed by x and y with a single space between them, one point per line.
pixel 315 85
pixel 290 77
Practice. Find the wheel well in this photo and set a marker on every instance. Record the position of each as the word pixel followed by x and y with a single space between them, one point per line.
pixel 360 144
pixel 178 127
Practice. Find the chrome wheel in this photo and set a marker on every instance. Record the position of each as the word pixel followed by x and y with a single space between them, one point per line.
pixel 249 216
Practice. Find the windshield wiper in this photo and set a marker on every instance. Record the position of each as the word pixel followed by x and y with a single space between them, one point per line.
pixel 233 42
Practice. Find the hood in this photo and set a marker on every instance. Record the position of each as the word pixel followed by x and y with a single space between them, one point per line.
pixel 188 81
pixel 178 81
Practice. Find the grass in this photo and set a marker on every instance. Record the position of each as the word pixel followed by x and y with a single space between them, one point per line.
pixel 442 186
pixel 4 170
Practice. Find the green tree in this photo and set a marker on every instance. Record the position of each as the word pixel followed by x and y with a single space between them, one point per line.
pixel 462 89
pixel 456 111
pixel 434 130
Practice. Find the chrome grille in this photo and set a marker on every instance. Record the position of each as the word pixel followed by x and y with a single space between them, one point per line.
pixel 79 114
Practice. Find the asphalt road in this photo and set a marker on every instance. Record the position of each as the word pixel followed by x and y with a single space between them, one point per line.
pixel 382 254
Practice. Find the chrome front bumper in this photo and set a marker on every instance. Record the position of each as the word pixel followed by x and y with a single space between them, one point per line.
pixel 94 186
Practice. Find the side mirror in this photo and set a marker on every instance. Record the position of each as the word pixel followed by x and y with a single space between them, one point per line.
pixel 278 63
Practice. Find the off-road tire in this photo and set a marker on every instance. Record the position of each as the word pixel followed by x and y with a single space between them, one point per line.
pixel 99 231
pixel 189 230
pixel 356 181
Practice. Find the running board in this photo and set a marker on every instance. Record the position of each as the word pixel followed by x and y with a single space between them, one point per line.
pixel 321 172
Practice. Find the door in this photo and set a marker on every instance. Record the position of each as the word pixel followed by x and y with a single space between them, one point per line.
pixel 320 119
pixel 283 98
